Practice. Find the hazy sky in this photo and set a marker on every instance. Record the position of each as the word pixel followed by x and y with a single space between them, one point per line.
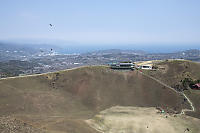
pixel 102 21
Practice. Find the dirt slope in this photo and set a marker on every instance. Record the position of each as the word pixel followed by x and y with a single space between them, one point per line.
pixel 142 120
pixel 62 101
pixel 174 73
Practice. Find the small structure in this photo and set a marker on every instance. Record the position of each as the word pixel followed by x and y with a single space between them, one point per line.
pixel 123 65
pixel 196 86
pixel 147 67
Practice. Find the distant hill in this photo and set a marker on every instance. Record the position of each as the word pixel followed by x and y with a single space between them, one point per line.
pixel 14 51
pixel 13 68
pixel 24 51
pixel 192 54
pixel 119 51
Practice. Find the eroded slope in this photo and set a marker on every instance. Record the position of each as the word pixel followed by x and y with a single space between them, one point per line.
pixel 62 101
pixel 174 74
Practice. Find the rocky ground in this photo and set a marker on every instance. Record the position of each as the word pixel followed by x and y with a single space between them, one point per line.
pixel 12 125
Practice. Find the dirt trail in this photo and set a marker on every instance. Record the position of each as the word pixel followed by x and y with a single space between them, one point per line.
pixel 182 93
pixel 32 75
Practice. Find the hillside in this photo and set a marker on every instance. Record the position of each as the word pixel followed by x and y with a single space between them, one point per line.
pixel 178 74
pixel 142 120
pixel 62 101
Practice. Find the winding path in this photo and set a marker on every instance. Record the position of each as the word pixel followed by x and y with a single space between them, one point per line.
pixel 182 93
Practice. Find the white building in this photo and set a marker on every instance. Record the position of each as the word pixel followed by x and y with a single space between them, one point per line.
pixel 146 67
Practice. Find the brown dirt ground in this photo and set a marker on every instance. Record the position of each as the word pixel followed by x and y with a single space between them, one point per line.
pixel 62 101
pixel 120 119
pixel 175 72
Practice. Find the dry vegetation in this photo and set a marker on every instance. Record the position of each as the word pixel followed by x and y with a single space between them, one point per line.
pixel 61 102
pixel 175 72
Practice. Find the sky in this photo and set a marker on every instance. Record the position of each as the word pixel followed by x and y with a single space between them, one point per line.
pixel 102 21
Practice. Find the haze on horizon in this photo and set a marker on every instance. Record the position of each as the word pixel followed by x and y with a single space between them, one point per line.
pixel 102 21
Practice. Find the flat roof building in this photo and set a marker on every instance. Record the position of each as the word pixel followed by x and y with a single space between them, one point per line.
pixel 123 65
pixel 148 67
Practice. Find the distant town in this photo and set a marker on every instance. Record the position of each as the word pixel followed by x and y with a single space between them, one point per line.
pixel 18 62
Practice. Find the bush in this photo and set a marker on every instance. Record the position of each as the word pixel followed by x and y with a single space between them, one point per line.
pixel 187 82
